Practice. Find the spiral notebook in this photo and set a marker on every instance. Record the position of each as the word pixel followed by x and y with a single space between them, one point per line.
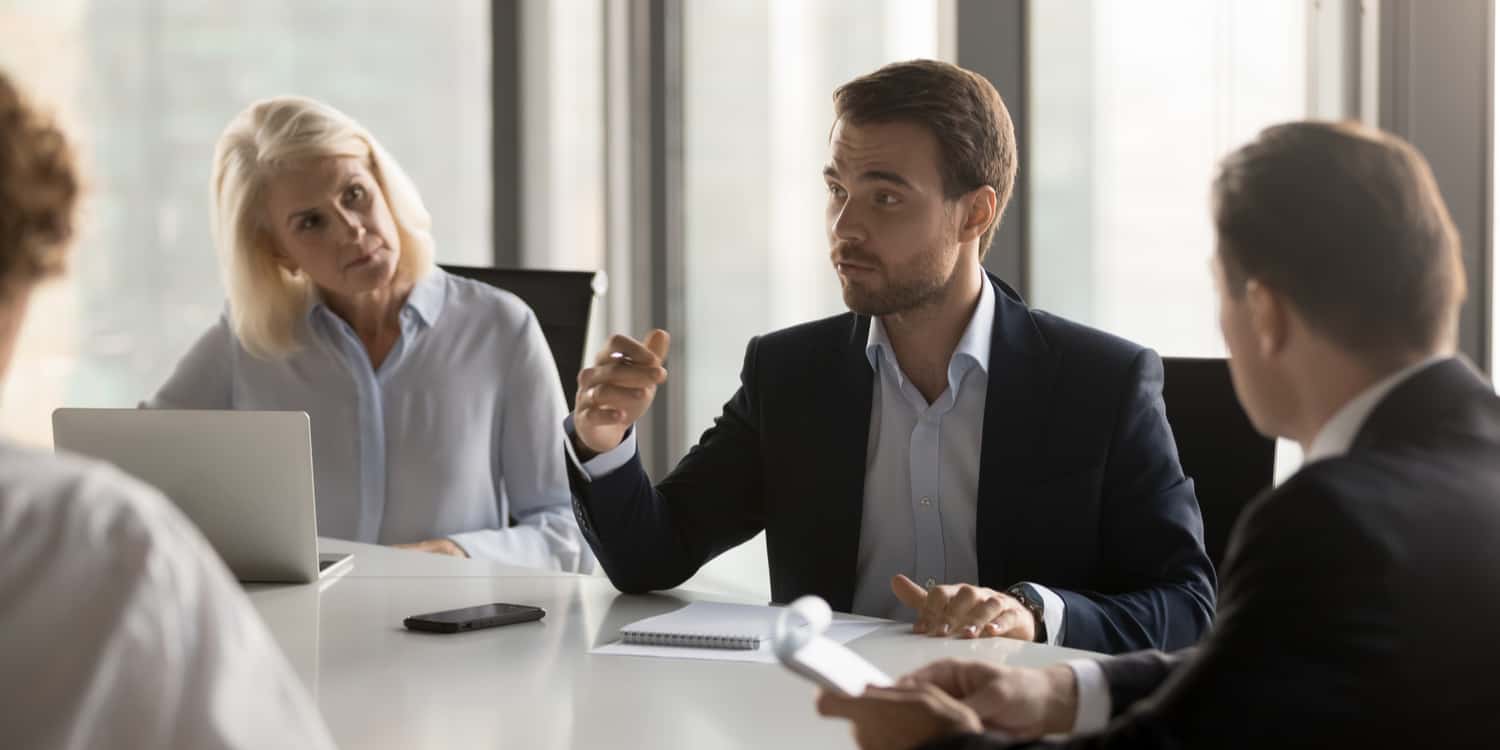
pixel 704 625
pixel 719 632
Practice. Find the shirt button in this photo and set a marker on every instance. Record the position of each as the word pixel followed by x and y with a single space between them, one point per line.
pixel 927 501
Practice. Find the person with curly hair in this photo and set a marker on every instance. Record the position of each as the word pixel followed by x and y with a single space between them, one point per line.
pixel 119 627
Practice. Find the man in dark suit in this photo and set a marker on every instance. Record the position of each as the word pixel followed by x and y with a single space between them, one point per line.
pixel 1017 465
pixel 1361 598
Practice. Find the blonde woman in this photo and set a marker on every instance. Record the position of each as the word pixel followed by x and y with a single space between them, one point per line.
pixel 435 407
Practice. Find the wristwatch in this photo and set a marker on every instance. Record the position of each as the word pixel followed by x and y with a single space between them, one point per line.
pixel 1032 601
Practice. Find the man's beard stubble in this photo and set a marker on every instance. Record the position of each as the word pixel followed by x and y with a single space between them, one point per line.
pixel 908 287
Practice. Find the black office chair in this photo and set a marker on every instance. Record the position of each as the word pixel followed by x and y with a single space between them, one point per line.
pixel 563 302
pixel 1228 461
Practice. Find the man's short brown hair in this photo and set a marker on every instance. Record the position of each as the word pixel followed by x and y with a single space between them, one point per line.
pixel 976 141
pixel 38 192
pixel 1348 223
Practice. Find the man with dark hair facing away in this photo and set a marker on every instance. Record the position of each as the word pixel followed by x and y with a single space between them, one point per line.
pixel 1361 597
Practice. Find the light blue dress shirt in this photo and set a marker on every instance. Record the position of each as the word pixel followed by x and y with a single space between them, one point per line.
pixel 921 474
pixel 454 435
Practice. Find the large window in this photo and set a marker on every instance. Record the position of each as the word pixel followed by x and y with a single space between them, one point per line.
pixel 759 78
pixel 562 134
pixel 147 85
pixel 1132 104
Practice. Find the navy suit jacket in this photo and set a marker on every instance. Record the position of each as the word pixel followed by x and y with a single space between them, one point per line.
pixel 1079 489
pixel 1361 599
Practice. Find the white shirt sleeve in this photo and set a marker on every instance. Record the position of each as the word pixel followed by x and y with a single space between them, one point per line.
pixel 532 472
pixel 605 463
pixel 547 539
pixel 1094 703
pixel 123 629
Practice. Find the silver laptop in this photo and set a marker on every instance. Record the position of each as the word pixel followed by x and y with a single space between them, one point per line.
pixel 244 477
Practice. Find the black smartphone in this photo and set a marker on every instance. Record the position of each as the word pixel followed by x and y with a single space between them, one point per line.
pixel 474 618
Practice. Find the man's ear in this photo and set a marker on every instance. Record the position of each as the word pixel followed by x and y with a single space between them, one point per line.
pixel 1270 318
pixel 979 213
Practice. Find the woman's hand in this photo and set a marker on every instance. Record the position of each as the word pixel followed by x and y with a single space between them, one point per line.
pixel 436 547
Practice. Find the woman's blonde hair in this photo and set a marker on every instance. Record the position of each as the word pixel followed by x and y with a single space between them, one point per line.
pixel 266 301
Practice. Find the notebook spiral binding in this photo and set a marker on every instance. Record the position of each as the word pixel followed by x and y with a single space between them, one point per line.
pixel 640 638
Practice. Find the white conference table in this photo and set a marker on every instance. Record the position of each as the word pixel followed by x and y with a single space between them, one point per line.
pixel 534 685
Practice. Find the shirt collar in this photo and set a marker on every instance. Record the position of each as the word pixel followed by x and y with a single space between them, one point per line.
pixel 425 300
pixel 973 346
pixel 1338 433
pixel 427 297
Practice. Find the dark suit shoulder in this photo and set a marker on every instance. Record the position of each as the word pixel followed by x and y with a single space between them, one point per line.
pixel 833 331
pixel 1319 502
pixel 1353 505
pixel 1403 495
pixel 1396 553
pixel 1077 343
pixel 1419 527
pixel 1097 381
pixel 805 359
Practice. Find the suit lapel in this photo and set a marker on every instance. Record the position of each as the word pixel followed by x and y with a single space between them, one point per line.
pixel 1017 401
pixel 847 441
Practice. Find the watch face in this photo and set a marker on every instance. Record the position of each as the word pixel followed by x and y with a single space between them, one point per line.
pixel 1024 594
pixel 1033 604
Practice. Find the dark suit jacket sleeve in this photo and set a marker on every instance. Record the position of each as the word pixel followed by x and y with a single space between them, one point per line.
pixel 651 538
pixel 1305 619
pixel 1160 591
pixel 1133 677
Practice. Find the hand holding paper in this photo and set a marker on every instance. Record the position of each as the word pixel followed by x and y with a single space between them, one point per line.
pixel 800 645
